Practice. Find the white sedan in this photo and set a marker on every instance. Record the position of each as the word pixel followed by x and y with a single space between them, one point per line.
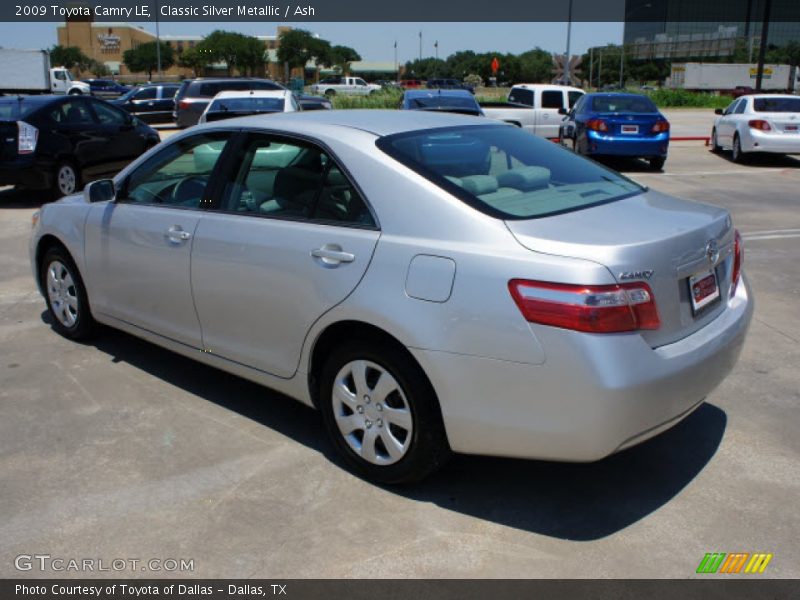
pixel 242 103
pixel 758 123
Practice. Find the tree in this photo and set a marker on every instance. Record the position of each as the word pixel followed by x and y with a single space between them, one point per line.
pixel 298 47
pixel 69 57
pixel 342 56
pixel 98 69
pixel 193 59
pixel 536 66
pixel 145 59
pixel 234 49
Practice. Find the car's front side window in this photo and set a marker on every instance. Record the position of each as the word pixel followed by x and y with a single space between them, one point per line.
pixel 179 175
pixel 108 115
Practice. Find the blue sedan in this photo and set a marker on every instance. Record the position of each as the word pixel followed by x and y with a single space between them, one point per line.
pixel 604 124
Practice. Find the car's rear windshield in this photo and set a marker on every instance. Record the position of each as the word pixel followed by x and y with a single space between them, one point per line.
pixel 435 101
pixel 209 89
pixel 12 109
pixel 783 105
pixel 623 104
pixel 247 104
pixel 506 172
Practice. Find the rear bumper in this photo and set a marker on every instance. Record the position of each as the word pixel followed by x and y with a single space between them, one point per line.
pixel 779 143
pixel 26 171
pixel 619 145
pixel 594 394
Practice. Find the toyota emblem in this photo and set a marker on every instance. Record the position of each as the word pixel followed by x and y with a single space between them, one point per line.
pixel 712 251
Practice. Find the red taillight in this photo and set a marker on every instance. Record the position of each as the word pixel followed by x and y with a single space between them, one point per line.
pixel 597 125
pixel 183 104
pixel 660 126
pixel 738 259
pixel 759 124
pixel 590 308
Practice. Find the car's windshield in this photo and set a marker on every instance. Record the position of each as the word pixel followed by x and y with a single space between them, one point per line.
pixel 623 104
pixel 247 105
pixel 437 101
pixel 506 172
pixel 783 105
pixel 12 109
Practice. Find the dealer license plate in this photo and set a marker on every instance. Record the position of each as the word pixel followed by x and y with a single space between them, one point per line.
pixel 630 129
pixel 703 290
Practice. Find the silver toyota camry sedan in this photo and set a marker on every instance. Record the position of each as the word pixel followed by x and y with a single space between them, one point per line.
pixel 432 283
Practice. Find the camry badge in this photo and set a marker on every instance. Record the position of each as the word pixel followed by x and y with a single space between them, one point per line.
pixel 627 275
pixel 712 251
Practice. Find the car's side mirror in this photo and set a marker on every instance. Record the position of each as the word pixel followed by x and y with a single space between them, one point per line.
pixel 718 111
pixel 102 190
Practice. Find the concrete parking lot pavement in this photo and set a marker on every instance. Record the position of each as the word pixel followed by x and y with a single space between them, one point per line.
pixel 118 449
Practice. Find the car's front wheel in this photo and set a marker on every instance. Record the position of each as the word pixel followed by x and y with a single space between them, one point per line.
pixel 382 413
pixel 65 295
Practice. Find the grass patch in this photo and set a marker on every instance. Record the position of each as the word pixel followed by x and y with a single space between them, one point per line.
pixel 384 99
pixel 668 98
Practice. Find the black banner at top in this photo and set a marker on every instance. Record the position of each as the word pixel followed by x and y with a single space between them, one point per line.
pixel 722 11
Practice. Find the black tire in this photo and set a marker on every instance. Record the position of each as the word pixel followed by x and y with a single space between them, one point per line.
pixel 736 153
pixel 657 162
pixel 75 93
pixel 428 449
pixel 59 186
pixel 84 324
pixel 575 146
pixel 330 93
pixel 715 147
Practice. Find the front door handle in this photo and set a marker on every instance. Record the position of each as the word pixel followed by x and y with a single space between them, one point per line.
pixel 332 255
pixel 176 234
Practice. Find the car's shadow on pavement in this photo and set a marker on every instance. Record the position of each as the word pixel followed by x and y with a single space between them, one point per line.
pixel 567 501
pixel 11 197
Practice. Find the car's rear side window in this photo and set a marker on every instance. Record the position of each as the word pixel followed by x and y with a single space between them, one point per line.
pixel 552 99
pixel 506 172
pixel 521 96
pixel 783 105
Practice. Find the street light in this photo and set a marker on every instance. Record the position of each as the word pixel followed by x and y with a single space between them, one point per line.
pixel 569 33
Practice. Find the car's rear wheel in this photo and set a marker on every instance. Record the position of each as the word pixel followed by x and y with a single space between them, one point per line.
pixel 737 154
pixel 657 163
pixel 330 93
pixel 382 413
pixel 65 295
pixel 66 179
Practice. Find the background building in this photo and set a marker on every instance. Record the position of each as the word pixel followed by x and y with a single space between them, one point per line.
pixel 705 28
pixel 107 42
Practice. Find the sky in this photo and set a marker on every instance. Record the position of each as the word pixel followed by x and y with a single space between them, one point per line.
pixel 375 41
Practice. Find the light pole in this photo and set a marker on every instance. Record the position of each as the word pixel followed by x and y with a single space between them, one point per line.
pixel 591 65
pixel 569 33
pixel 158 45
pixel 420 46
pixel 622 64
pixel 396 64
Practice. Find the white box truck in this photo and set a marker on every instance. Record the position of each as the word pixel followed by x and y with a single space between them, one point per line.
pixel 29 72
pixel 722 77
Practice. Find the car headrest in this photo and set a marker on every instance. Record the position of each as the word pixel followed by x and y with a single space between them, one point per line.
pixel 479 184
pixel 525 178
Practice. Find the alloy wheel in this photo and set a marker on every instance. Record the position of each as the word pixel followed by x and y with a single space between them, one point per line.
pixel 67 179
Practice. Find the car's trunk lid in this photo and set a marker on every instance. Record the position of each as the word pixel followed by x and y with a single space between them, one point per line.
pixel 649 237
pixel 782 122
pixel 634 124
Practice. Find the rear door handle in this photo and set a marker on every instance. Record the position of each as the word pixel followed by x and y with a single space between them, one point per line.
pixel 176 234
pixel 332 254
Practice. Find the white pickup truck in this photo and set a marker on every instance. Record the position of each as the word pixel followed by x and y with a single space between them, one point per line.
pixel 351 86
pixel 29 72
pixel 534 107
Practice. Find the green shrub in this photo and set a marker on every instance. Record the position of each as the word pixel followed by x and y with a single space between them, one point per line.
pixel 383 99
pixel 669 98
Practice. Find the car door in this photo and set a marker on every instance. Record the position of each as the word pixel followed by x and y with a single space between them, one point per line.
pixel 138 247
pixel 125 142
pixel 165 103
pixel 547 118
pixel 143 101
pixel 726 123
pixel 81 138
pixel 290 239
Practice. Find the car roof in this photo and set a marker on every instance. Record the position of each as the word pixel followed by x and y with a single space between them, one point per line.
pixel 616 95
pixel 438 93
pixel 377 122
pixel 251 94
pixel 38 99
pixel 548 86
pixel 759 96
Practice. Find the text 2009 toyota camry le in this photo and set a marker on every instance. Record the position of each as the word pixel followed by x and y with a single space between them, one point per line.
pixel 432 283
